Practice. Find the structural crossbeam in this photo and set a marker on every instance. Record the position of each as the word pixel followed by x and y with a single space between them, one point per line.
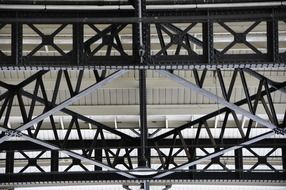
pixel 193 45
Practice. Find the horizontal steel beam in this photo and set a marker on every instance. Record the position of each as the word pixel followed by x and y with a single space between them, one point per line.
pixel 178 177
pixel 167 65
pixel 152 16
pixel 211 58
pixel 126 2
pixel 16 146
pixel 116 143
pixel 126 6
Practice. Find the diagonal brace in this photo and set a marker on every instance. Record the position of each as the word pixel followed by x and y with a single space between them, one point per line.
pixel 79 116
pixel 16 133
pixel 215 98
pixel 216 154
pixel 68 102
pixel 270 82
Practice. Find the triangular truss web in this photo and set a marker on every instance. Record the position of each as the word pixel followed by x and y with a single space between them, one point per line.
pixel 48 42
pixel 240 37
pixel 228 117
pixel 175 40
pixel 105 40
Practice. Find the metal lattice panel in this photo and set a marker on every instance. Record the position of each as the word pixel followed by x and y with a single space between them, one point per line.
pixel 215 92
pixel 168 152
pixel 214 38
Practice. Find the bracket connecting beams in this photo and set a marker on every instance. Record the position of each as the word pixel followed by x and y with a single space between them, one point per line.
pixel 280 131
pixel 13 133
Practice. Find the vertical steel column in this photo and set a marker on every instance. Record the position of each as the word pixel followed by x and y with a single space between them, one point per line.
pixel 272 40
pixel 54 161
pixel 208 50
pixel 17 43
pixel 238 163
pixel 97 157
pixel 9 162
pixel 141 34
pixel 193 168
pixel 284 159
pixel 143 157
pixel 145 35
pixel 193 153
pixel 78 43
pixel 135 45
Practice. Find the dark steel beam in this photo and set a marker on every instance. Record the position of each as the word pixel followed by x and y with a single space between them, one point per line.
pixel 144 161
pixel 120 2
pixel 239 163
pixel 108 176
pixel 78 45
pixel 54 161
pixel 129 16
pixel 9 162
pixel 143 152
pixel 17 33
pixel 113 143
pixel 211 58
pixel 238 173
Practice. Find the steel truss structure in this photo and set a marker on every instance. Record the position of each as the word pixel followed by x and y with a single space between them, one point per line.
pixel 130 152
pixel 84 53
pixel 146 156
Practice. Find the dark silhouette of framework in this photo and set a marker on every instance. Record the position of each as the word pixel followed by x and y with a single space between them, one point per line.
pixel 82 56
